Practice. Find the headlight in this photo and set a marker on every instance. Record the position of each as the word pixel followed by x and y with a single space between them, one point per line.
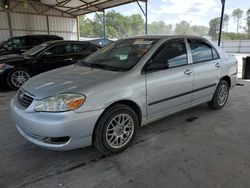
pixel 60 103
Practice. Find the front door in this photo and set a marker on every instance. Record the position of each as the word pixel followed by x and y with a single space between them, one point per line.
pixel 169 80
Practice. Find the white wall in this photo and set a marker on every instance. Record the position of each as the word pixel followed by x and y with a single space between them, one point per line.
pixel 37 19
pixel 4 27
pixel 237 46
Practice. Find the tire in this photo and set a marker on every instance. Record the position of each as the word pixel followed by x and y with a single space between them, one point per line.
pixel 220 96
pixel 108 133
pixel 17 77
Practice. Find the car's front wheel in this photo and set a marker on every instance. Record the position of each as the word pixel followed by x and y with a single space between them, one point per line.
pixel 220 96
pixel 116 129
pixel 17 77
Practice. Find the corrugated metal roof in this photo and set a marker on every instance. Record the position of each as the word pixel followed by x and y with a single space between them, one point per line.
pixel 79 7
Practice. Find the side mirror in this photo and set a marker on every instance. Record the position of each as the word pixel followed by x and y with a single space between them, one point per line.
pixel 156 66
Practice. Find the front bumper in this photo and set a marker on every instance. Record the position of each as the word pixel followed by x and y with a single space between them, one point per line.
pixel 37 127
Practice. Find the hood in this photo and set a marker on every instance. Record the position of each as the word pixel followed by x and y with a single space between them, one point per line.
pixel 69 79
pixel 13 58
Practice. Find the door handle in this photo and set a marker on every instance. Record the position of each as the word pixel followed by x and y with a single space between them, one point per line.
pixel 217 65
pixel 68 59
pixel 188 72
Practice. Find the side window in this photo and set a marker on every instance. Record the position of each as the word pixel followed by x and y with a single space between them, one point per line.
pixel 174 54
pixel 60 49
pixel 83 48
pixel 15 42
pixel 201 51
pixel 215 54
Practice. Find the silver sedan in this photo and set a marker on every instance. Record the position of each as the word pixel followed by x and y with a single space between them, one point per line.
pixel 104 99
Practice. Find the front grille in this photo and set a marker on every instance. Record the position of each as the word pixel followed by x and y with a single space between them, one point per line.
pixel 24 98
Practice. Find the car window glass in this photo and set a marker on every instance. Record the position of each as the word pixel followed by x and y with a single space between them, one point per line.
pixel 121 55
pixel 83 48
pixel 15 42
pixel 215 55
pixel 60 49
pixel 174 54
pixel 201 51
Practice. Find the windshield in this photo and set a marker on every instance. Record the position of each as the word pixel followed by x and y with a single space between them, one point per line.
pixel 121 55
pixel 35 50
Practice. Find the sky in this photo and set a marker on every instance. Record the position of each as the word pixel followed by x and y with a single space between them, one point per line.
pixel 196 12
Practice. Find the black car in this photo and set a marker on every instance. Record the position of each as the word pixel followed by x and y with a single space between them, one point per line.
pixel 16 69
pixel 20 44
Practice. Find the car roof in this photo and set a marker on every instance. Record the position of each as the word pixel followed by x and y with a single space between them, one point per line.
pixel 166 36
pixel 69 41
pixel 52 36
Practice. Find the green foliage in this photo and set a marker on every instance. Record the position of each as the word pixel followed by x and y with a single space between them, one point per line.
pixel 234 36
pixel 120 26
pixel 214 26
pixel 237 15
pixel 248 22
pixel 160 28
pixel 183 28
pixel 200 30
pixel 117 26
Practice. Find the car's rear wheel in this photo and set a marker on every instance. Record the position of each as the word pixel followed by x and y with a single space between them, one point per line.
pixel 116 129
pixel 17 77
pixel 220 96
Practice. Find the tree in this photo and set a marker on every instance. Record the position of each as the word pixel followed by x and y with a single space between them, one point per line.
pixel 226 22
pixel 237 15
pixel 248 22
pixel 136 24
pixel 214 25
pixel 199 30
pixel 159 27
pixel 183 28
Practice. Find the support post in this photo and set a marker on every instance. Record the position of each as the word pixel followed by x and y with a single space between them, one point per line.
pixel 146 17
pixel 104 25
pixel 145 13
pixel 78 27
pixel 9 23
pixel 103 20
pixel 47 20
pixel 221 20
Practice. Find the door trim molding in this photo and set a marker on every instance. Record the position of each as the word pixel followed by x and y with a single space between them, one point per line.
pixel 180 95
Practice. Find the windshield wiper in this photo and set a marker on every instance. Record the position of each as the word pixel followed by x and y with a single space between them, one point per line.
pixel 83 63
pixel 103 66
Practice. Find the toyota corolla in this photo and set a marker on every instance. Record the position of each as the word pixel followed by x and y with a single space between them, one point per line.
pixel 104 99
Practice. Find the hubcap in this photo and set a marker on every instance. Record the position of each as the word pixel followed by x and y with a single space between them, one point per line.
pixel 222 95
pixel 120 130
pixel 19 77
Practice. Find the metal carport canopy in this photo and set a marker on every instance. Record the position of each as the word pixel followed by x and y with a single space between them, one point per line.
pixel 80 7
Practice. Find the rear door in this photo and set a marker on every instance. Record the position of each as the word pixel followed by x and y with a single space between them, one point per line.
pixel 56 56
pixel 169 88
pixel 206 67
